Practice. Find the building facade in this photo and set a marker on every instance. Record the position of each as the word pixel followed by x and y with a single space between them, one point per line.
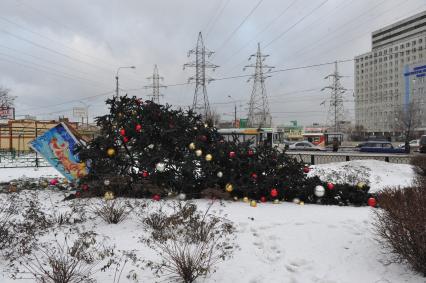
pixel 386 78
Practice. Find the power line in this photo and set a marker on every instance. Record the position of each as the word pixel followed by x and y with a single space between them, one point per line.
pixel 207 31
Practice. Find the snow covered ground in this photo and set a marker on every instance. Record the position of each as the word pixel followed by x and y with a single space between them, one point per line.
pixel 279 242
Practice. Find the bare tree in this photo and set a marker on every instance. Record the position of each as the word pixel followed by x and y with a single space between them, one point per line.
pixel 214 118
pixel 408 117
pixel 6 100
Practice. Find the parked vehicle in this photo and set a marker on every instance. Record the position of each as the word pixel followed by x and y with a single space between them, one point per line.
pixel 422 144
pixel 380 147
pixel 305 145
pixel 414 145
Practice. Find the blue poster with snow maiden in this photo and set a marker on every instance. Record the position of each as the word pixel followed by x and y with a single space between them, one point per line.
pixel 57 146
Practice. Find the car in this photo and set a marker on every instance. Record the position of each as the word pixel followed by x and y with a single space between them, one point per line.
pixel 422 144
pixel 414 145
pixel 380 147
pixel 305 145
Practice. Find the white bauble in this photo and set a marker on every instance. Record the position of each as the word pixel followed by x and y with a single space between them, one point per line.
pixel 107 182
pixel 182 196
pixel 319 191
pixel 219 174
pixel 198 152
pixel 160 167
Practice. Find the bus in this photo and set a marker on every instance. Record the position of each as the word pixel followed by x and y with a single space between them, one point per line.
pixel 270 136
pixel 323 139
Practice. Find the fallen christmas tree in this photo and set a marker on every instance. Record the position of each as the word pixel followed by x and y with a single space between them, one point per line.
pixel 146 149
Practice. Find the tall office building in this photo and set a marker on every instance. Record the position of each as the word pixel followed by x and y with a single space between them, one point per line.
pixel 391 75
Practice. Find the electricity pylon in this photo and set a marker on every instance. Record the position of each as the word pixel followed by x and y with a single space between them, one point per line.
pixel 155 85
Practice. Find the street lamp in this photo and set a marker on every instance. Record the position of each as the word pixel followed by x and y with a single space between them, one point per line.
pixel 116 77
pixel 235 111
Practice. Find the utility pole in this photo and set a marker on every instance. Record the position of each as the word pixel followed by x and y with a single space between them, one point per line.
pixel 200 103
pixel 259 115
pixel 116 78
pixel 155 86
pixel 336 110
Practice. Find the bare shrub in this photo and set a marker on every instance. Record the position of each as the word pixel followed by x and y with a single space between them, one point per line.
pixel 7 210
pixel 111 211
pixel 419 163
pixel 401 225
pixel 189 242
pixel 66 261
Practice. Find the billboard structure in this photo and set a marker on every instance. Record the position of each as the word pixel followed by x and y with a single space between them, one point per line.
pixel 58 147
pixel 7 113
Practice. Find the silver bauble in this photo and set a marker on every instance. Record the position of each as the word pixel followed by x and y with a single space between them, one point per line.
pixel 160 167
pixel 219 174
pixel 198 152
pixel 319 191
pixel 107 182
pixel 182 196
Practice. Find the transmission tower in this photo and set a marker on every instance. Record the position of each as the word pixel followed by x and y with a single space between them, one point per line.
pixel 155 86
pixel 336 114
pixel 200 103
pixel 259 115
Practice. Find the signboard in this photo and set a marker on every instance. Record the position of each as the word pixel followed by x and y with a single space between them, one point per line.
pixel 7 113
pixel 57 146
pixel 80 112
pixel 243 123
pixel 419 71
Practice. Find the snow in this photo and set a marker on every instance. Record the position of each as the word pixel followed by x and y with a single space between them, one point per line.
pixel 282 242
pixel 8 174
pixel 378 174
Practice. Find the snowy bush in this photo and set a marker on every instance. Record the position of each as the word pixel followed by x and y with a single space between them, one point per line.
pixel 111 211
pixel 189 242
pixel 419 163
pixel 401 225
pixel 7 211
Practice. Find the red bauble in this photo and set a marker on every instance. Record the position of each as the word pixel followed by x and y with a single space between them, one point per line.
pixel 85 187
pixel 77 194
pixel 123 132
pixel 203 138
pixel 263 199
pixel 53 182
pixel 156 197
pixel 125 139
pixel 254 175
pixel 139 101
pixel 138 128
pixel 306 169
pixel 330 186
pixel 274 193
pixel 250 152
pixel 372 202
pixel 145 174
pixel 232 154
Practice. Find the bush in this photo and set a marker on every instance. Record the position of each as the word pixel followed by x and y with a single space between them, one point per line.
pixel 189 242
pixel 401 225
pixel 111 211
pixel 419 163
pixel 7 211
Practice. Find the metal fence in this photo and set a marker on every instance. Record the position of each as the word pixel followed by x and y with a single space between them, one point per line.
pixel 323 158
pixel 21 160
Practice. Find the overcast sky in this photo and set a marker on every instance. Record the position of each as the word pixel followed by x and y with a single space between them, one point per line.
pixel 56 52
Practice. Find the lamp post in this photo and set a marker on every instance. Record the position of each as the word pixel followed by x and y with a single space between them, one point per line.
pixel 116 77
pixel 235 111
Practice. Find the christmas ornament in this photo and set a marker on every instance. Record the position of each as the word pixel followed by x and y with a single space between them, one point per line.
pixel 276 201
pixel 198 152
pixel 203 138
pixel 160 166
pixel 53 182
pixel 263 199
pixel 296 200
pixel 372 202
pixel 77 194
pixel 302 203
pixel 361 185
pixel 192 146
pixel 245 199
pixel 274 193
pixel 254 176
pixel 44 184
pixel 253 203
pixel 138 128
pixel 209 157
pixel 145 174
pixel 125 139
pixel 122 132
pixel 156 197
pixel 250 152
pixel 306 169
pixel 330 186
pixel 108 195
pixel 107 182
pixel 85 187
pixel 235 198
pixel 229 188
pixel 219 174
pixel 319 191
pixel 111 152
pixel 232 154
pixel 182 196
pixel 151 146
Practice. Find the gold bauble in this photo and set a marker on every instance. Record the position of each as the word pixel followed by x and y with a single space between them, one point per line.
pixel 229 188
pixel 302 203
pixel 12 189
pixel 198 152
pixel 109 195
pixel 111 152
pixel 253 203
pixel 209 157
pixel 245 199
pixel 276 201
pixel 360 185
pixel 192 146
